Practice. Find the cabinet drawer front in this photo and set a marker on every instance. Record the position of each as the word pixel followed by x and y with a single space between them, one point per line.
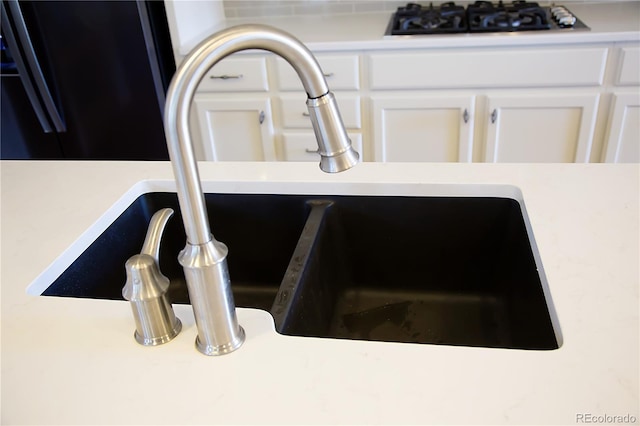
pixel 341 72
pixel 303 146
pixel 630 67
pixel 236 75
pixel 505 68
pixel 296 115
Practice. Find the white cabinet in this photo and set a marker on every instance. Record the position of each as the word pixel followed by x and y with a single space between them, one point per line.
pixel 512 104
pixel 532 104
pixel 566 66
pixel 623 135
pixel 629 68
pixel 409 127
pixel 233 112
pixel 548 128
pixel 623 142
pixel 235 129
pixel 233 108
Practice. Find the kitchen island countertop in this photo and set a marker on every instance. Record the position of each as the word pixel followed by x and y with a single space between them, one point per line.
pixel 74 361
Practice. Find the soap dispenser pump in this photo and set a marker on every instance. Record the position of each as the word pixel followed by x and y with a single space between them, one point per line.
pixel 146 288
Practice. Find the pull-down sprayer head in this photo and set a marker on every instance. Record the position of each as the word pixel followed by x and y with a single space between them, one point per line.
pixel 334 146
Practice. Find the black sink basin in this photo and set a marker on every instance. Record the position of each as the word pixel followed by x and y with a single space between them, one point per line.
pixel 456 271
pixel 261 232
pixel 440 270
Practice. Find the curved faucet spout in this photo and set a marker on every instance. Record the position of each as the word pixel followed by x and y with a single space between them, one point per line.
pixel 204 258
pixel 333 143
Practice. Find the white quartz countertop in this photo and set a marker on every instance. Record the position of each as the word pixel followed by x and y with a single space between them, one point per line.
pixel 74 361
pixel 609 22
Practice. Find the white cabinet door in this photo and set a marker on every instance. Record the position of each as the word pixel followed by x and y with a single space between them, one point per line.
pixel 425 128
pixel 235 129
pixel 541 128
pixel 623 143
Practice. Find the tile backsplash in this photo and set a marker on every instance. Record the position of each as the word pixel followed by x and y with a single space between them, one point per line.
pixel 271 8
pixel 251 8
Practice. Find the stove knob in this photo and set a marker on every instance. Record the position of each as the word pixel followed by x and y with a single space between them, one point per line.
pixel 567 21
pixel 560 13
pixel 563 17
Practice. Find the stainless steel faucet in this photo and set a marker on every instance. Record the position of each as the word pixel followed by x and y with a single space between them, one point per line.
pixel 204 258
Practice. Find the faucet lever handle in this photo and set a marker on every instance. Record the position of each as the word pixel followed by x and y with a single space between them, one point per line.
pixel 157 224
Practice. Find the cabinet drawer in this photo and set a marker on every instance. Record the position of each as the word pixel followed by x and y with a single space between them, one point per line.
pixel 341 72
pixel 629 66
pixel 236 75
pixel 295 114
pixel 302 146
pixel 491 68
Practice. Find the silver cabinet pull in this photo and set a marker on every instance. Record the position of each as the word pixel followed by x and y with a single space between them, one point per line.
pixel 311 151
pixel 226 77
pixel 261 117
pixel 328 74
pixel 494 116
pixel 306 114
pixel 465 116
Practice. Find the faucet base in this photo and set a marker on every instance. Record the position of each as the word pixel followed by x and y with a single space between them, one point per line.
pixel 213 350
pixel 159 340
pixel 209 286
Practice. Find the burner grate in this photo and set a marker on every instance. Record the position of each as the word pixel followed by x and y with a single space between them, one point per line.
pixel 416 19
pixel 484 16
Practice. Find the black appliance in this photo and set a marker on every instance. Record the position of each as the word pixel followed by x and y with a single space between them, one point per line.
pixel 481 17
pixel 84 79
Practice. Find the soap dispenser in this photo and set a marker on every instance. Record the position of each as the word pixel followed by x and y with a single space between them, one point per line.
pixel 146 288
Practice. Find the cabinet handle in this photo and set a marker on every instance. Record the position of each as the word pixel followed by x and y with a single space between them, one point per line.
pixel 494 116
pixel 328 74
pixel 261 117
pixel 226 77
pixel 306 114
pixel 311 151
pixel 465 116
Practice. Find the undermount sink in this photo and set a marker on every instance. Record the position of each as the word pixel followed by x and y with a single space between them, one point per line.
pixel 261 232
pixel 456 270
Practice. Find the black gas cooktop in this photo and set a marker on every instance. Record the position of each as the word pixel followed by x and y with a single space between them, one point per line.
pixel 480 17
